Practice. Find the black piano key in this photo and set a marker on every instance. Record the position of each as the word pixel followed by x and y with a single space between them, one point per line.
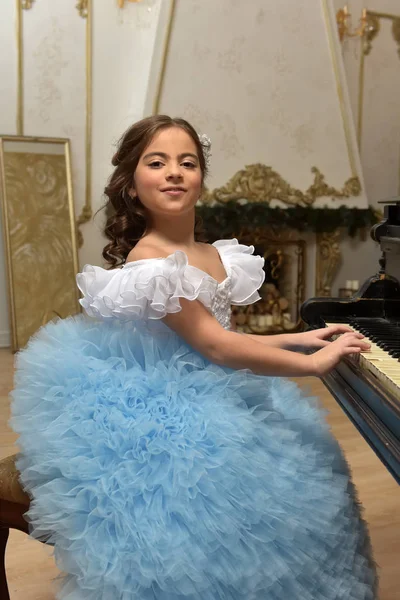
pixel 384 334
pixel 390 348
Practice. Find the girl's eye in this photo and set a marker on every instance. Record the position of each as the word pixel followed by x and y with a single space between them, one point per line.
pixel 157 164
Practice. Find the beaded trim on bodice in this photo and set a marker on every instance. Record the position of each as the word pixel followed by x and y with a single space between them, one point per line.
pixel 221 304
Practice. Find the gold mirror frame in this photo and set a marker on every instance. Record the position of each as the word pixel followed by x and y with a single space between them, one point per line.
pixel 39 232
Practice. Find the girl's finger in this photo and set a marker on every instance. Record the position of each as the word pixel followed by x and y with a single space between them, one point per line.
pixel 351 350
pixel 332 329
pixel 353 335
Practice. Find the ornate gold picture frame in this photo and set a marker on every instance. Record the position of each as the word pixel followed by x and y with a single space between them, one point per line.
pixel 39 232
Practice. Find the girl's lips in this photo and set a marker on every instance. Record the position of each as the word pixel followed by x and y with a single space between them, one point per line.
pixel 174 192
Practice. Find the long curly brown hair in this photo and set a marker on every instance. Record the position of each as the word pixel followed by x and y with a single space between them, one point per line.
pixel 126 221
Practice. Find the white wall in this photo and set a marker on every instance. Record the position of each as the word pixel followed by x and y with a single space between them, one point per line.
pixel 55 90
pixel 262 83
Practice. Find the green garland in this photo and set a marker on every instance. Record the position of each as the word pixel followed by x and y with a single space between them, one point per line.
pixel 225 220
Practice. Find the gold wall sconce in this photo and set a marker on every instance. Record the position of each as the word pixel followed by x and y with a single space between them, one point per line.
pixel 344 24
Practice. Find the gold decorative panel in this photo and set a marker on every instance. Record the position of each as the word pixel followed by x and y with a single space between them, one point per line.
pixel 39 232
pixel 260 183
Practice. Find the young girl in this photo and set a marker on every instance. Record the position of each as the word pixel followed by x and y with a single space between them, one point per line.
pixel 165 457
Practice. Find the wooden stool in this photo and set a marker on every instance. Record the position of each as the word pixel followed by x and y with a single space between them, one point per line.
pixel 14 503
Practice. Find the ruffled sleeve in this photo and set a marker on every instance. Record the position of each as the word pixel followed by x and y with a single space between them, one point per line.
pixel 245 270
pixel 145 289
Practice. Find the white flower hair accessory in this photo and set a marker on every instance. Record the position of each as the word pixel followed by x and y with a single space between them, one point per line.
pixel 206 145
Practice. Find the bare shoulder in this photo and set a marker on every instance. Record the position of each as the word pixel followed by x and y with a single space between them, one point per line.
pixel 144 250
pixel 209 248
pixel 210 251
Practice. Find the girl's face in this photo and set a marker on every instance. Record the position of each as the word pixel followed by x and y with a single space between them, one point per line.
pixel 168 178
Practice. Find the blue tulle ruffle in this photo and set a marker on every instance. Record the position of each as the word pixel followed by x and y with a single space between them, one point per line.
pixel 159 476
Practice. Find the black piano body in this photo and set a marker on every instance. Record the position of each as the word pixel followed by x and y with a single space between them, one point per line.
pixel 372 404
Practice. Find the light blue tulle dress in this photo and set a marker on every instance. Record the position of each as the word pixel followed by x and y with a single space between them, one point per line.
pixel 158 475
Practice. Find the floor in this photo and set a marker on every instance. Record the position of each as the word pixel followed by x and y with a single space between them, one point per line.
pixel 31 568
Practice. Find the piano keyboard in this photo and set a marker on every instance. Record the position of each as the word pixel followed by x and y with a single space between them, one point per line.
pixel 382 362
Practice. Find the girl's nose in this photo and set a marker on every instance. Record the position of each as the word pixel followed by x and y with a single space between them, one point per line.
pixel 174 172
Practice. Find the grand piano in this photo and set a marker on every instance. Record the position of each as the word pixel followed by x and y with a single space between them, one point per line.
pixel 367 386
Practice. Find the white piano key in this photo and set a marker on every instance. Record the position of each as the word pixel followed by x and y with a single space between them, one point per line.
pixel 379 362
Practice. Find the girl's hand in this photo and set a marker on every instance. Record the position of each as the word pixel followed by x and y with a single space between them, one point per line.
pixel 327 358
pixel 319 338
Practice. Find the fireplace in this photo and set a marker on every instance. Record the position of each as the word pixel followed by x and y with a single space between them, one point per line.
pixel 283 291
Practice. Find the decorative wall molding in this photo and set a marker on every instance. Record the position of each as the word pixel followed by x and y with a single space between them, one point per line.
pixel 260 183
pixel 334 48
pixel 327 262
pixel 371 32
pixel 396 33
pixel 84 8
pixel 373 28
pixel 20 65
pixel 121 3
pixel 164 58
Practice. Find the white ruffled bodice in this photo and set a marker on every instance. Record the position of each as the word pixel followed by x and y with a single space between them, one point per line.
pixel 151 288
